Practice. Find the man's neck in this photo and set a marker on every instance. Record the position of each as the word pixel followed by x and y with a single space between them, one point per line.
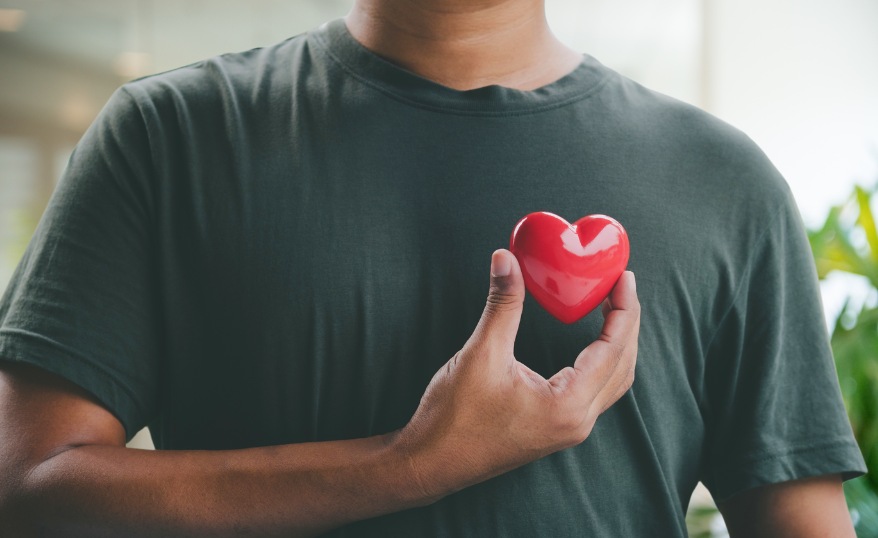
pixel 465 44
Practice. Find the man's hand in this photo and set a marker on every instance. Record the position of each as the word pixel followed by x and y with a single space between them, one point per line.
pixel 66 470
pixel 484 413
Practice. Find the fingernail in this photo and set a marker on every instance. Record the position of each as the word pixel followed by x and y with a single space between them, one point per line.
pixel 633 281
pixel 500 264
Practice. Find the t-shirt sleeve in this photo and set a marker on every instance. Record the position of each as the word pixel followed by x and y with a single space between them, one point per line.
pixel 774 408
pixel 83 302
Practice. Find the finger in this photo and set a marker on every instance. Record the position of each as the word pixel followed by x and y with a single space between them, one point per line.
pixel 595 367
pixel 623 376
pixel 499 323
pixel 623 314
pixel 624 294
pixel 606 307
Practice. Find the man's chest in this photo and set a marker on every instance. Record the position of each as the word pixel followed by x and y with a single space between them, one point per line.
pixel 314 297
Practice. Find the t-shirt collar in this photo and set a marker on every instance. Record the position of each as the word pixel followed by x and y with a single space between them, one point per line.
pixel 404 85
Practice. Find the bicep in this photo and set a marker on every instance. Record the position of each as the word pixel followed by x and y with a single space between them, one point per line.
pixel 802 508
pixel 42 414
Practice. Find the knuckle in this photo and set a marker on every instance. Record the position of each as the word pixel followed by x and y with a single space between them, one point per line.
pixel 564 378
pixel 498 295
pixel 500 301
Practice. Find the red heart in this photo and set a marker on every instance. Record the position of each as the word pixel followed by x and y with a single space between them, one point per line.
pixel 569 268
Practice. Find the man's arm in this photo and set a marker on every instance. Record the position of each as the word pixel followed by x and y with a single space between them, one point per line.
pixel 66 471
pixel 805 508
pixel 71 475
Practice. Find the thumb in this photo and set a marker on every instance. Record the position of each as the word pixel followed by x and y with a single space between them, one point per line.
pixel 499 323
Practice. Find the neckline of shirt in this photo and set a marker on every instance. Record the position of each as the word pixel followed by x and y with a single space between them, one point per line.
pixel 494 100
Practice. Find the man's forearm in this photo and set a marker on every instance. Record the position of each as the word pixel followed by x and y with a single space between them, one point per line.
pixel 290 490
pixel 65 470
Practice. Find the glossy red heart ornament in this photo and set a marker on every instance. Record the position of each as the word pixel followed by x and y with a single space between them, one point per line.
pixel 569 268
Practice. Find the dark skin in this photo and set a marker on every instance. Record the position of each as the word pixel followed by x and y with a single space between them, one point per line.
pixel 66 470
pixel 465 44
pixel 68 473
pixel 809 507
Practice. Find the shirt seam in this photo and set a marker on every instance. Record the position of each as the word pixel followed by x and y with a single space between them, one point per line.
pixel 455 111
pixel 795 450
pixel 749 466
pixel 739 288
pixel 14 334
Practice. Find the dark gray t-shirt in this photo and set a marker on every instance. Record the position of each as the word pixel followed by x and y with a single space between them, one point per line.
pixel 284 245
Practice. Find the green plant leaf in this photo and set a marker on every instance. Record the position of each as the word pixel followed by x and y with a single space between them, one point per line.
pixel 866 221
pixel 855 347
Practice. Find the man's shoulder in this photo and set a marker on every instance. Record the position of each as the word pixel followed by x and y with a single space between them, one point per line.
pixel 232 79
pixel 697 151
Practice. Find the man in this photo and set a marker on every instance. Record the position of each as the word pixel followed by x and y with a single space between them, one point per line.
pixel 277 260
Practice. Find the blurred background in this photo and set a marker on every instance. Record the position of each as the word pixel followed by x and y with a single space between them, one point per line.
pixel 799 77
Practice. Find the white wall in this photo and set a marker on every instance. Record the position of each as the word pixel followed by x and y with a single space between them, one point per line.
pixel 658 44
pixel 801 78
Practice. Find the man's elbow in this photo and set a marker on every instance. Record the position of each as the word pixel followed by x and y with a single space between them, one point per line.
pixel 17 502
